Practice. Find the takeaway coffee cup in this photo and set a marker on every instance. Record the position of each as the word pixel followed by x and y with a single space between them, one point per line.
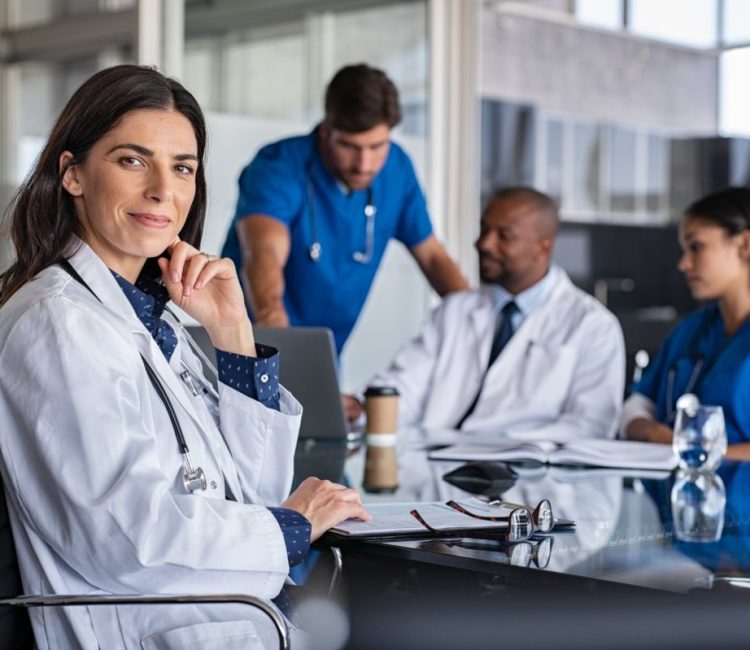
pixel 381 409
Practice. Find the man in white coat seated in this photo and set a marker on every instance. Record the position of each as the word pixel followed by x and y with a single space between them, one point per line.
pixel 527 353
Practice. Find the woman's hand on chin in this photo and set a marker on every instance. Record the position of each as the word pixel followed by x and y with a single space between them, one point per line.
pixel 208 289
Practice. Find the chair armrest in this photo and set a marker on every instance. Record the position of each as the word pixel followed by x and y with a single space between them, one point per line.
pixel 106 599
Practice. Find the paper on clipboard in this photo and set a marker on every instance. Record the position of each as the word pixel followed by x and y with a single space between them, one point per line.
pixel 393 519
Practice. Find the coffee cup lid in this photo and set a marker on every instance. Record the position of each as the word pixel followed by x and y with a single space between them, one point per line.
pixel 381 391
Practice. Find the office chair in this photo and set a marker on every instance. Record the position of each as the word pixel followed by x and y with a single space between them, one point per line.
pixel 644 334
pixel 15 625
pixel 641 359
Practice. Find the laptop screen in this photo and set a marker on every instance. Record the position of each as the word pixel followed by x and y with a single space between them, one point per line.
pixel 309 371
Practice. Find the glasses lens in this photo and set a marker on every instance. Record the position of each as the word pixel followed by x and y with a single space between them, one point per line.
pixel 544 519
pixel 520 554
pixel 543 552
pixel 520 526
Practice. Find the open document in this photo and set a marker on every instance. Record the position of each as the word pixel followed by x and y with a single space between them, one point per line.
pixel 396 519
pixel 594 452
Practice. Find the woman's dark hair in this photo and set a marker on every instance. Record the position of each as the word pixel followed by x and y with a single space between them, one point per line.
pixel 359 98
pixel 41 215
pixel 728 208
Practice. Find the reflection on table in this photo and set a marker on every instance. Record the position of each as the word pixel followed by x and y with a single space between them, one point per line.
pixel 624 532
pixel 730 554
pixel 622 558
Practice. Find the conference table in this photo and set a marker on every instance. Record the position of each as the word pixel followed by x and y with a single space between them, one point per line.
pixel 626 553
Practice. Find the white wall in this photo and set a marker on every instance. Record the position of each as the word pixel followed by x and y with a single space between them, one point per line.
pixel 232 142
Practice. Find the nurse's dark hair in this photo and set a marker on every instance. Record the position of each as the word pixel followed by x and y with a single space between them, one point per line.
pixel 359 98
pixel 42 216
pixel 728 208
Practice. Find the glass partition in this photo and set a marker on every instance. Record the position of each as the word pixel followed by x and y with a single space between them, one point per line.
pixel 622 170
pixel 584 198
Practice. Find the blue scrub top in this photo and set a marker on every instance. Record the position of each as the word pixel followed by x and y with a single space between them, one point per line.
pixel 282 180
pixel 724 378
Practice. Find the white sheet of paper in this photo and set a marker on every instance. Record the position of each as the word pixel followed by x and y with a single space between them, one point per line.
pixel 390 518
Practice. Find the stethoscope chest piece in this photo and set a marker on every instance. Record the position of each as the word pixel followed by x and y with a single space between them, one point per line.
pixel 689 403
pixel 193 479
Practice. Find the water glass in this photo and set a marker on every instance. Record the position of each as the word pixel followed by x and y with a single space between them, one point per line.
pixel 700 438
pixel 698 502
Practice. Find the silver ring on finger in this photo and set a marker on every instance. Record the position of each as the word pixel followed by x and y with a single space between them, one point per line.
pixel 209 257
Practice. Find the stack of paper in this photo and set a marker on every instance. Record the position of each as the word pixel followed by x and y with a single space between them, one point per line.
pixel 594 452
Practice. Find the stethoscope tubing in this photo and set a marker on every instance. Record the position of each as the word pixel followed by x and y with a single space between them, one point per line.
pixel 701 368
pixel 168 405
pixel 689 387
pixel 315 250
pixel 193 478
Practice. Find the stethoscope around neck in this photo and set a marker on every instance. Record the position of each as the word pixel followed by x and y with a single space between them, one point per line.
pixel 701 367
pixel 193 478
pixel 315 250
pixel 689 387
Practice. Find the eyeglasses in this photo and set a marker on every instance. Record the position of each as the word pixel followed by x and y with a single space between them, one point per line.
pixel 536 552
pixel 520 525
pixel 522 553
pixel 542 516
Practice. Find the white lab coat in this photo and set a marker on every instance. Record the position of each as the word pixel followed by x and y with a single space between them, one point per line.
pixel 560 376
pixel 92 473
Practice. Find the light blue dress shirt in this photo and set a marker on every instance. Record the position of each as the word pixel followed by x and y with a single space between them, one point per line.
pixel 527 300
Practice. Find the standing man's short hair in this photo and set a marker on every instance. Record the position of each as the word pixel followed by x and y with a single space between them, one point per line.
pixel 359 98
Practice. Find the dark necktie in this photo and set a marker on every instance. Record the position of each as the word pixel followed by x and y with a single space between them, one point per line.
pixel 503 334
pixel 504 331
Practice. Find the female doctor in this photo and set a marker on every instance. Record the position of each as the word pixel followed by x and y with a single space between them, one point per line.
pixel 123 472
pixel 708 353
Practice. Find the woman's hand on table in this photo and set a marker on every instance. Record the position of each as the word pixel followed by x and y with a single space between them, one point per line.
pixel 325 504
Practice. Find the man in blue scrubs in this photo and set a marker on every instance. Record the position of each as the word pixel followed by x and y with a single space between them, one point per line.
pixel 315 212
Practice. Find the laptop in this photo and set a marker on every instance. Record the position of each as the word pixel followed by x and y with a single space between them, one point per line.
pixel 309 372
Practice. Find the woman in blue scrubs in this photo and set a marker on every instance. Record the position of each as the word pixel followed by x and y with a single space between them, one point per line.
pixel 708 353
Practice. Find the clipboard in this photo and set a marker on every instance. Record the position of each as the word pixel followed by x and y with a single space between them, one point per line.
pixel 435 519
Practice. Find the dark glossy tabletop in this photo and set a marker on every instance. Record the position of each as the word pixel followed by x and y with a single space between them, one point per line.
pixel 624 534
